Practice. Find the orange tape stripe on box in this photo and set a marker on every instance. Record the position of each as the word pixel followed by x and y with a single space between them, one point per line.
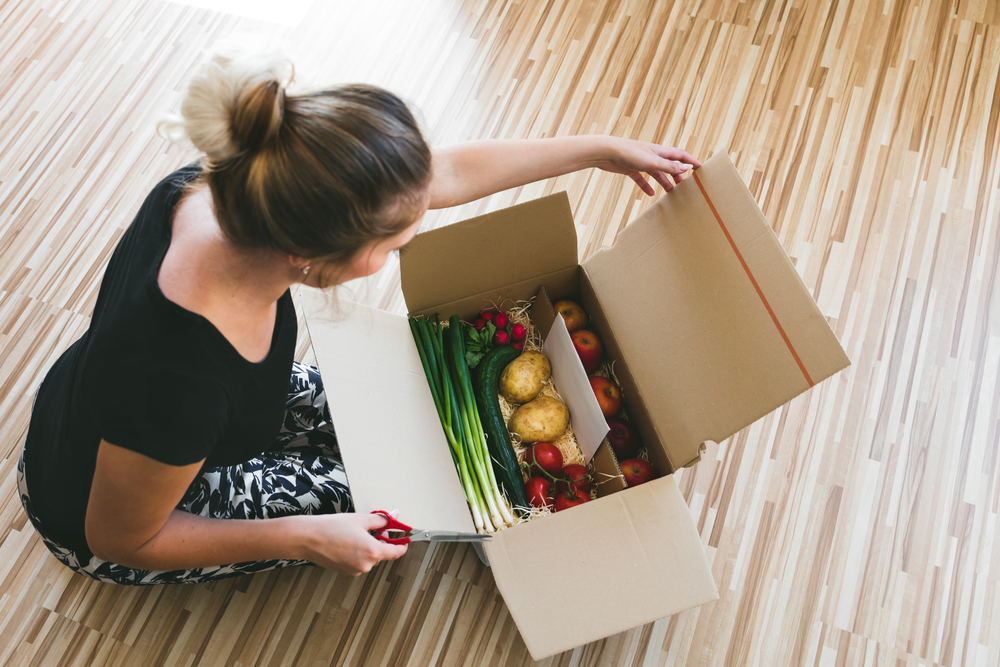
pixel 763 299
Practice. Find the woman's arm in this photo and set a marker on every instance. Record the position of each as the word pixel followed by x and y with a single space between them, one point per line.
pixel 465 172
pixel 131 521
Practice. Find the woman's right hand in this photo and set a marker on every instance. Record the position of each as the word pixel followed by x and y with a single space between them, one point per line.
pixel 342 542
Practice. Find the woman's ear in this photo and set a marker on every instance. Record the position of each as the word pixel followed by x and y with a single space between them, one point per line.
pixel 300 265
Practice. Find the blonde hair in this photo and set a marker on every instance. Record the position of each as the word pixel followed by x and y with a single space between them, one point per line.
pixel 318 175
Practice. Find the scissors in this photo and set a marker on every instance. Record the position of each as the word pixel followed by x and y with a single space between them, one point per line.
pixel 421 535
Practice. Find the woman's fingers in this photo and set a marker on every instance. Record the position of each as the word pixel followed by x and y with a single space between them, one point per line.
pixel 390 551
pixel 664 180
pixel 675 168
pixel 643 184
pixel 677 162
pixel 674 165
pixel 667 165
pixel 344 542
pixel 383 550
pixel 678 155
pixel 376 522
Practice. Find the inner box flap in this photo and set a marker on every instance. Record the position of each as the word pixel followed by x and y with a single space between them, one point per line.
pixel 486 253
pixel 635 556
pixel 717 326
pixel 394 450
pixel 568 374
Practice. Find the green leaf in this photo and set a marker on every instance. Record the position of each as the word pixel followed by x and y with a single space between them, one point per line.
pixel 479 341
pixel 473 358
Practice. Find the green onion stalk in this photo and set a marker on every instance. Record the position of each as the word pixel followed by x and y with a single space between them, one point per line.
pixel 432 359
pixel 499 507
pixel 447 374
pixel 500 512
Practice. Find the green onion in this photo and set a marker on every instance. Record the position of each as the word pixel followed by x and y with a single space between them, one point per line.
pixel 444 362
pixel 437 378
pixel 499 510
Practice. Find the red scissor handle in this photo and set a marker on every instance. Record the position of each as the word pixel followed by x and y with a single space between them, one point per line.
pixel 392 525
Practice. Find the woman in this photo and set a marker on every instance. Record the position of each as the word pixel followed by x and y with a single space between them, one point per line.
pixel 163 436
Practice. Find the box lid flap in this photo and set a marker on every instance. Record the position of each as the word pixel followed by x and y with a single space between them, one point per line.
pixel 628 559
pixel 488 252
pixel 729 332
pixel 394 449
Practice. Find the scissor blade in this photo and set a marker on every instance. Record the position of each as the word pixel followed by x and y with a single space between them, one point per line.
pixel 448 536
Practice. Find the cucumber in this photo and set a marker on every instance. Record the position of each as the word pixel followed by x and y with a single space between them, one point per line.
pixel 505 466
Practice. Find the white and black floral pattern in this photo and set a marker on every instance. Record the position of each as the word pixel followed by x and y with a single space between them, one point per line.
pixel 301 474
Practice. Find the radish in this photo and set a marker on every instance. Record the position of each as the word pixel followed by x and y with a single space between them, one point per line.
pixel 486 315
pixel 501 337
pixel 519 345
pixel 500 320
pixel 517 332
pixel 479 324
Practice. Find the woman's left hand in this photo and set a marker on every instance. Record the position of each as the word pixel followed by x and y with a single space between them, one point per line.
pixel 637 158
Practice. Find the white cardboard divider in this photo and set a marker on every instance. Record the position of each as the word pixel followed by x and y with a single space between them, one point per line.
pixel 571 379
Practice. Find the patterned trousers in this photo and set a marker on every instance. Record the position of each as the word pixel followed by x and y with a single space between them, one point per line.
pixel 302 473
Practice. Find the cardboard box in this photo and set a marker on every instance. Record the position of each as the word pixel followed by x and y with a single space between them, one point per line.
pixel 710 327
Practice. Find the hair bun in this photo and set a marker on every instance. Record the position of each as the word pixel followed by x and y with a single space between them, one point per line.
pixel 233 104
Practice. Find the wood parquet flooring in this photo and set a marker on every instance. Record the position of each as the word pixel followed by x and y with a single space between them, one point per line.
pixel 855 526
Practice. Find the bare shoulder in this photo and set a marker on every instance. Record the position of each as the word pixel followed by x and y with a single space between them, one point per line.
pixel 235 289
pixel 193 225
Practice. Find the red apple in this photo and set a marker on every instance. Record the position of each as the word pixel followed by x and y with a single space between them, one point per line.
pixel 623 438
pixel 609 396
pixel 590 349
pixel 637 471
pixel 572 313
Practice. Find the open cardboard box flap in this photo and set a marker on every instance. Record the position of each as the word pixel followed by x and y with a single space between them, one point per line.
pixel 394 449
pixel 604 567
pixel 717 326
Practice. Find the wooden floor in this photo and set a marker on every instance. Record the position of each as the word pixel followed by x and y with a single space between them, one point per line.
pixel 855 526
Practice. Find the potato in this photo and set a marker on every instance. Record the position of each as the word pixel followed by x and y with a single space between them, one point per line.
pixel 541 420
pixel 522 379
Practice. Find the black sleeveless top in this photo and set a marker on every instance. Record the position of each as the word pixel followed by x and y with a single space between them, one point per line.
pixel 151 377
